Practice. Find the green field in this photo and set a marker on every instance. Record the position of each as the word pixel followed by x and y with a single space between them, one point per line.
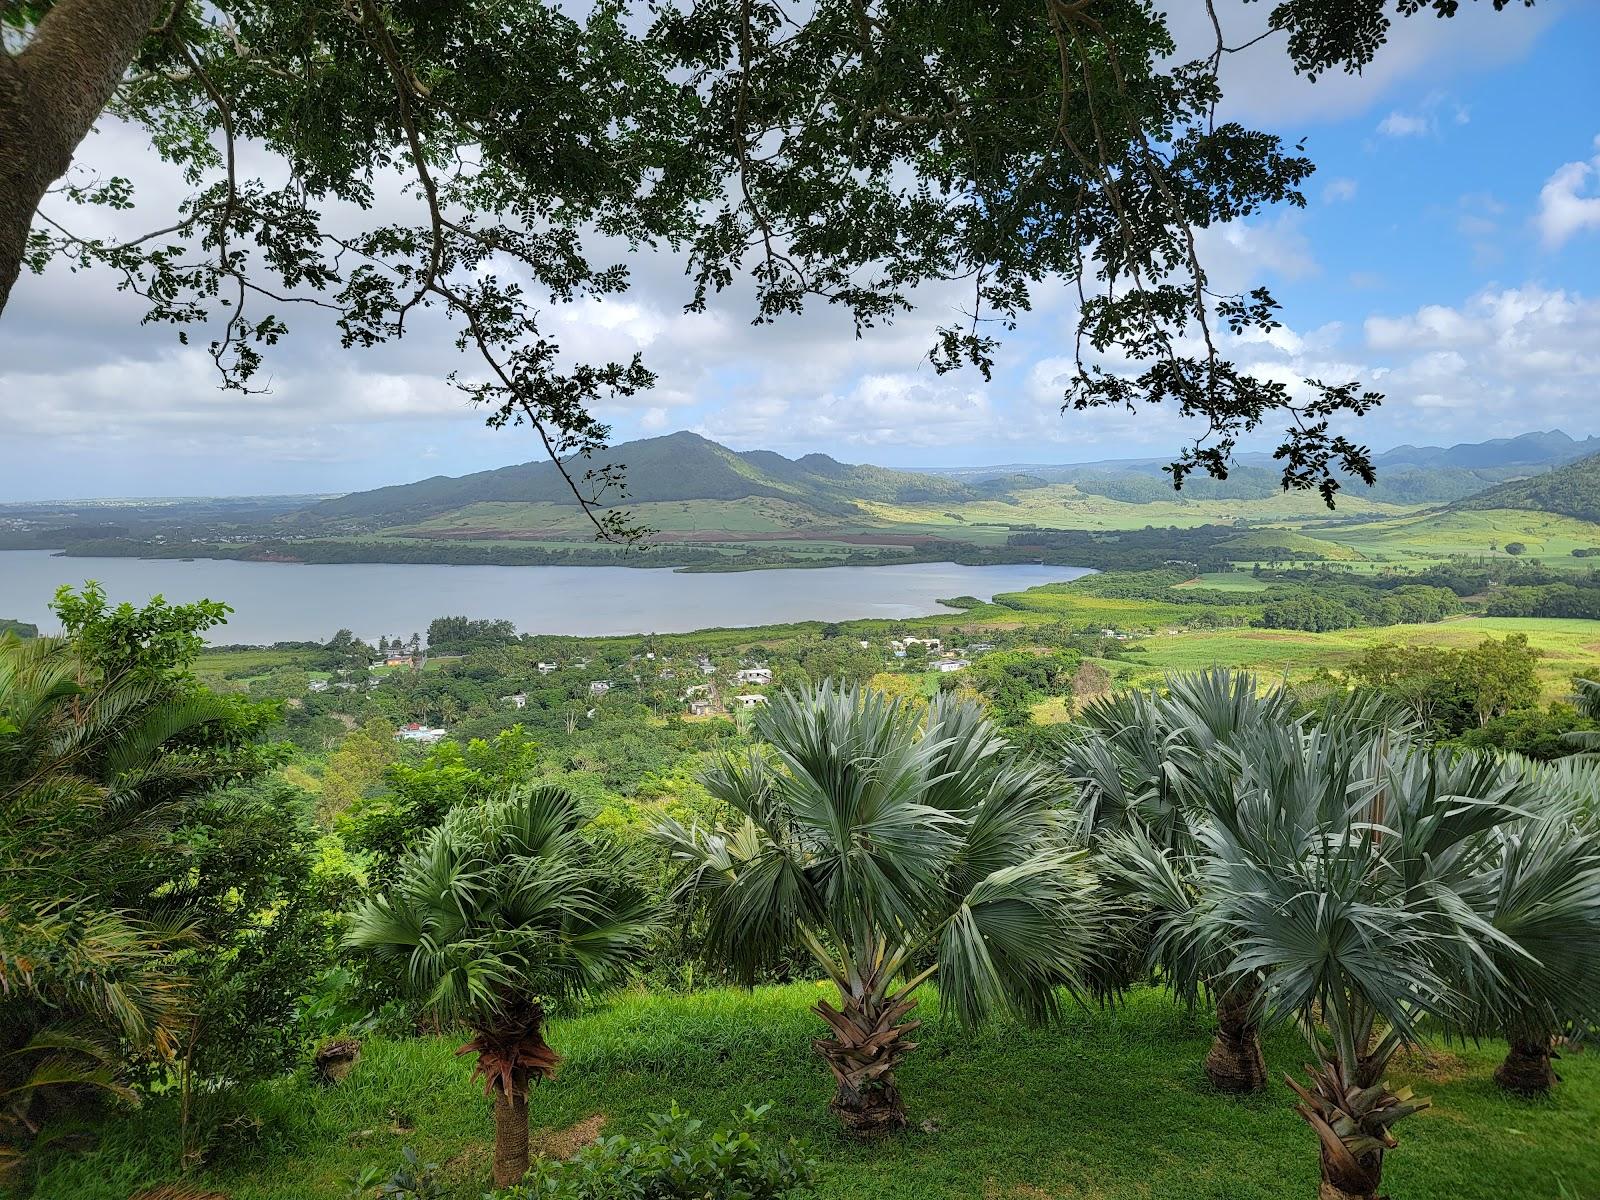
pixel 1569 648
pixel 1420 540
pixel 1109 1104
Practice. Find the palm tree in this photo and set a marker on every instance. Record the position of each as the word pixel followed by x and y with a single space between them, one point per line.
pixel 94 774
pixel 1543 897
pixel 1141 764
pixel 1338 881
pixel 1586 741
pixel 502 909
pixel 891 851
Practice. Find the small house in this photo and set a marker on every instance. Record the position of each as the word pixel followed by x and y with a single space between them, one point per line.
pixel 599 687
pixel 421 734
pixel 545 668
pixel 947 665
pixel 759 676
pixel 750 700
pixel 701 708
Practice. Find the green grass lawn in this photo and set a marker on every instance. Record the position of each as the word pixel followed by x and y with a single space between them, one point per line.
pixel 1111 1105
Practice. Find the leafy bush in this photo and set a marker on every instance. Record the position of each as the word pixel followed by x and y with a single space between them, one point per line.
pixel 676 1158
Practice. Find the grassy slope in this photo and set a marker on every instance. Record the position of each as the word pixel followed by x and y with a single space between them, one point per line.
pixel 1062 506
pixel 1113 1105
pixel 1432 537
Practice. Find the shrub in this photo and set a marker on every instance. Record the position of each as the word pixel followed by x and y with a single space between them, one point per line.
pixel 676 1160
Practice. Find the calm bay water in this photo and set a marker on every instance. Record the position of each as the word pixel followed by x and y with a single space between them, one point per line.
pixel 280 602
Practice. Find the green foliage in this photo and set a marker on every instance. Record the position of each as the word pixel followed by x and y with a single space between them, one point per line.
pixel 458 635
pixel 503 905
pixel 1452 690
pixel 155 639
pixel 677 1159
pixel 104 790
pixel 388 823
pixel 1014 680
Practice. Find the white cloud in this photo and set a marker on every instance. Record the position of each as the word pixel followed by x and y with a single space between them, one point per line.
pixel 1569 202
pixel 1399 124
pixel 1507 360
pixel 1339 189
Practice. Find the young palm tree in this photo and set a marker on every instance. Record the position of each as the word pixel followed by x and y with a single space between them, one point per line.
pixel 1142 764
pixel 1543 897
pixel 1342 892
pixel 501 909
pixel 891 853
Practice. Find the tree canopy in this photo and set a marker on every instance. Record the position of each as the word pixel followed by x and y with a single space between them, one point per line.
pixel 493 159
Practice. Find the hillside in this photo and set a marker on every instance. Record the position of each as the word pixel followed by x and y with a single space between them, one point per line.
pixel 680 466
pixel 1569 491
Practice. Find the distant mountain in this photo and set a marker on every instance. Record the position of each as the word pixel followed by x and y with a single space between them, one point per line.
pixel 679 466
pixel 1569 491
pixel 1406 474
pixel 1542 450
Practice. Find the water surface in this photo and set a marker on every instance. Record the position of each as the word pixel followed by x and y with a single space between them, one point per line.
pixel 286 602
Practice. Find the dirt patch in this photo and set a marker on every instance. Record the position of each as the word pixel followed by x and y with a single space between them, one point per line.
pixel 564 1143
pixel 472 1163
pixel 1437 1066
pixel 178 1191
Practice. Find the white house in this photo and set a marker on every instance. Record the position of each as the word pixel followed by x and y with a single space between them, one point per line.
pixel 947 665
pixel 419 733
pixel 701 708
pixel 317 685
pixel 520 700
pixel 750 700
pixel 545 668
pixel 599 687
pixel 760 676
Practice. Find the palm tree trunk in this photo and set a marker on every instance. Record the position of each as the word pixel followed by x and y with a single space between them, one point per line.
pixel 1343 1183
pixel 1527 1069
pixel 1235 1062
pixel 868 1043
pixel 510 1135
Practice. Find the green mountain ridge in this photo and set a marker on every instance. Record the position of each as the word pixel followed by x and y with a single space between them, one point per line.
pixel 1569 491
pixel 678 466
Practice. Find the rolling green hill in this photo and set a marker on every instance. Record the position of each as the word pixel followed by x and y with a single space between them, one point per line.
pixel 680 466
pixel 1569 491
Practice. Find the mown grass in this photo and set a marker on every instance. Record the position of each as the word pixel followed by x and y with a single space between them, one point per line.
pixel 1110 1104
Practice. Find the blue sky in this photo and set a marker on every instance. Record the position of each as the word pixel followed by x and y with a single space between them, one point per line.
pixel 1449 256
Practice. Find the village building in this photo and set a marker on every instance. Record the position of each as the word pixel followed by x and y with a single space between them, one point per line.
pixel 421 734
pixel 750 700
pixel 760 676
pixel 946 665
pixel 599 687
